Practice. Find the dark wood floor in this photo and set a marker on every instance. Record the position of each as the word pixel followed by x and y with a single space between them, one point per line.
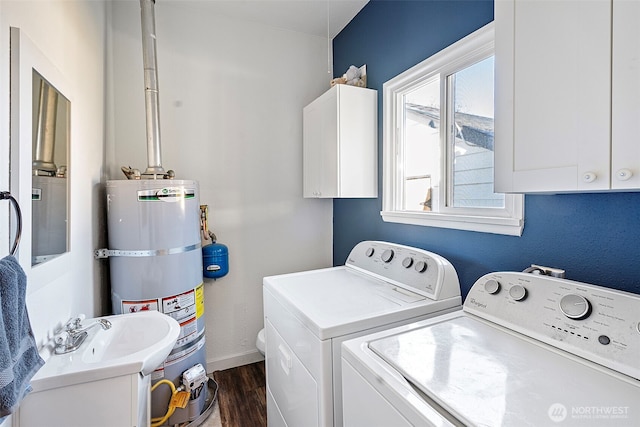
pixel 242 396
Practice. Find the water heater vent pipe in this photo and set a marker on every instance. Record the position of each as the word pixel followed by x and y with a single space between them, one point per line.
pixel 46 131
pixel 152 104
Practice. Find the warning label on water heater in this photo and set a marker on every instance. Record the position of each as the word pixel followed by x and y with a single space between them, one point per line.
pixel 180 306
pixel 139 305
pixel 200 300
pixel 186 308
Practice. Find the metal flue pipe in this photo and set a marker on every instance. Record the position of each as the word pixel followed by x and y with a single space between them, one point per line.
pixel 152 103
pixel 46 130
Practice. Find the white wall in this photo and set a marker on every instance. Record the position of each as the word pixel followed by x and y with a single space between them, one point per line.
pixel 231 99
pixel 72 35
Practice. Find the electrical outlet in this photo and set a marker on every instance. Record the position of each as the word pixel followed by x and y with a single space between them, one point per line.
pixel 550 271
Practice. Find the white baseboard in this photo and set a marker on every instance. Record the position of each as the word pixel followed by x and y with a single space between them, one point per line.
pixel 234 361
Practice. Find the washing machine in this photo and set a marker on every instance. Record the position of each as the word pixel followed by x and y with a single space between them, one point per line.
pixel 309 314
pixel 525 350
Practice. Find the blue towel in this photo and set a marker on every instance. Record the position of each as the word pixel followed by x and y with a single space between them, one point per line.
pixel 19 358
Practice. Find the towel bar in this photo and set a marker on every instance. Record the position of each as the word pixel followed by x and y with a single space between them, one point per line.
pixel 5 195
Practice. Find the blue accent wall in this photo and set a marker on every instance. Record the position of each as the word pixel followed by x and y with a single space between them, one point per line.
pixel 594 237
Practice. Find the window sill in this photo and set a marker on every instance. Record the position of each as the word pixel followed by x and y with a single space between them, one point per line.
pixel 495 225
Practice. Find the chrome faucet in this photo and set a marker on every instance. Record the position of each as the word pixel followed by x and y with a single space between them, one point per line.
pixel 74 326
pixel 74 333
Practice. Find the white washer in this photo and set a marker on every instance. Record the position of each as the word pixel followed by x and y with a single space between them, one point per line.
pixel 309 314
pixel 525 350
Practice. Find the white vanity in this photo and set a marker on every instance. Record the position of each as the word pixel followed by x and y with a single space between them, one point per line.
pixel 106 381
pixel 119 401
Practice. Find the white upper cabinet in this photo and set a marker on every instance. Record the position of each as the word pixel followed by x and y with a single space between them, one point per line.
pixel 567 95
pixel 340 134
pixel 625 113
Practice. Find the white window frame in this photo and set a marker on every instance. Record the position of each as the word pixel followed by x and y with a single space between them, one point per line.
pixel 471 49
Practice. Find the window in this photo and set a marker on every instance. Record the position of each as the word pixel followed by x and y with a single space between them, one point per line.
pixel 438 143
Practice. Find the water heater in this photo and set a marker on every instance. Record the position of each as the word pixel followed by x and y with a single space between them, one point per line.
pixel 155 262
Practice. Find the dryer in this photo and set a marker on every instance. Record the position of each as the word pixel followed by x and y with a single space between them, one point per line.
pixel 309 314
pixel 525 350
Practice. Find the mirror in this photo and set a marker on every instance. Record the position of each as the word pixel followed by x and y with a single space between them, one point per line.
pixel 41 138
pixel 50 168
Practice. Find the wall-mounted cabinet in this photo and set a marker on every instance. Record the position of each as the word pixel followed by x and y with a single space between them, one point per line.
pixel 340 144
pixel 567 96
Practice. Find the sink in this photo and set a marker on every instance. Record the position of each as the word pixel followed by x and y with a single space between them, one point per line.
pixel 136 342
pixel 143 336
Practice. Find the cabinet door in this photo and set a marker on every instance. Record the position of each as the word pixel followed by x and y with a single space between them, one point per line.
pixel 320 147
pixel 312 128
pixel 329 179
pixel 357 142
pixel 553 62
pixel 625 131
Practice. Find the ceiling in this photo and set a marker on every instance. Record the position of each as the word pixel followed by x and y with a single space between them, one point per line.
pixel 305 16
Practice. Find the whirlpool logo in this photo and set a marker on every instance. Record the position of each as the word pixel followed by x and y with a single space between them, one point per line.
pixel 478 304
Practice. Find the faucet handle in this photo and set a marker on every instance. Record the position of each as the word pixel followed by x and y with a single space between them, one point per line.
pixel 75 323
pixel 61 339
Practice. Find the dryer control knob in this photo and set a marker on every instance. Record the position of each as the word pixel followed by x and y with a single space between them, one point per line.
pixel 407 262
pixel 387 255
pixel 575 306
pixel 518 292
pixel 369 252
pixel 421 266
pixel 492 286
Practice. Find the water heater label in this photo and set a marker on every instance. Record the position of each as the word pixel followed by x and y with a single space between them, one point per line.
pixel 188 332
pixel 134 306
pixel 179 306
pixel 179 356
pixel 167 194
pixel 200 301
pixel 185 308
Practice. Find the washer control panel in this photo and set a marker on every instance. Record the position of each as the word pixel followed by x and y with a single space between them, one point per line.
pixel 414 269
pixel 597 323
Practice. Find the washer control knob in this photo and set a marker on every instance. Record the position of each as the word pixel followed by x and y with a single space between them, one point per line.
pixel 575 306
pixel 492 286
pixel 624 174
pixel 369 252
pixel 518 292
pixel 604 340
pixel 387 255
pixel 589 177
pixel 407 262
pixel 421 266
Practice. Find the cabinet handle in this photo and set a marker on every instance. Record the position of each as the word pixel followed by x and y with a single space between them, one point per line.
pixel 589 177
pixel 624 174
